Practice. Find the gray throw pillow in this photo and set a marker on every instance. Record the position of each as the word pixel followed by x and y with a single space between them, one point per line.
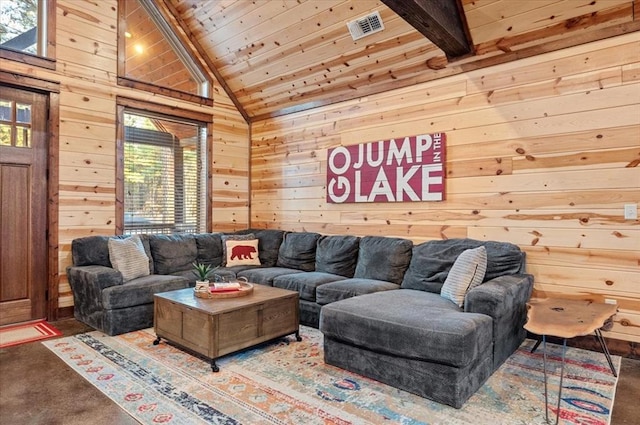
pixel 128 257
pixel 467 273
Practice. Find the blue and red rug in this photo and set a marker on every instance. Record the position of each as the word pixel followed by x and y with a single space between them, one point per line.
pixel 289 383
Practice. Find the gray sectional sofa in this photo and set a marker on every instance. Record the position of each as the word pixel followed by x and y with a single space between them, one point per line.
pixel 376 299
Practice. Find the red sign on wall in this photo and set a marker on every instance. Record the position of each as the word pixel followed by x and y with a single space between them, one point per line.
pixel 396 170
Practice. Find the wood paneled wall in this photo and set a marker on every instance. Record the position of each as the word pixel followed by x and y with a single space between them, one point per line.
pixel 542 152
pixel 87 70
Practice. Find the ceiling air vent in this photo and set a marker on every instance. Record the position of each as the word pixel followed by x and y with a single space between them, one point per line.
pixel 366 25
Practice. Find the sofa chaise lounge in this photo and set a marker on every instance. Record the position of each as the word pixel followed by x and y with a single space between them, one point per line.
pixel 417 340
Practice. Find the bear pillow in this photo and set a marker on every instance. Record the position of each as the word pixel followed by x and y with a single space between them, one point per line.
pixel 242 253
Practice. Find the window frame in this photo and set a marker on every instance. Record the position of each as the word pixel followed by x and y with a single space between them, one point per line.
pixel 48 15
pixel 133 105
pixel 180 42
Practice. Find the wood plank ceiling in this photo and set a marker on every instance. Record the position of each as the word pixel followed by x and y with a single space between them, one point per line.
pixel 280 56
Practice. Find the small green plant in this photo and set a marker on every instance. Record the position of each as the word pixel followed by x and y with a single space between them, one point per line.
pixel 202 271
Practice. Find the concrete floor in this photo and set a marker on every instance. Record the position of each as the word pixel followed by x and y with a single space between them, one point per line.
pixel 36 387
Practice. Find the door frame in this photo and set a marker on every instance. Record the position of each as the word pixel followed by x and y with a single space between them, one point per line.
pixel 52 90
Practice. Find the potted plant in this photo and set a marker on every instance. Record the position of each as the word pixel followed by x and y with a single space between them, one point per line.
pixel 202 272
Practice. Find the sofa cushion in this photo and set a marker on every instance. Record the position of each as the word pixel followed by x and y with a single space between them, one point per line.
pixel 383 258
pixel 140 290
pixel 336 291
pixel 298 251
pixel 228 273
pixel 128 257
pixel 209 248
pixel 432 260
pixel 242 253
pixel 465 274
pixel 410 324
pixel 190 276
pixel 91 251
pixel 337 255
pixel 265 276
pixel 173 253
pixel 305 283
pixel 269 246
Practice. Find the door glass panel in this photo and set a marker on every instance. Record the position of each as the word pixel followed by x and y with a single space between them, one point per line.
pixel 15 124
pixel 5 110
pixel 23 137
pixel 5 135
pixel 23 113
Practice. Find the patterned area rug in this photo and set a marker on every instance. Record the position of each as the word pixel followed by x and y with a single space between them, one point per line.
pixel 21 333
pixel 287 382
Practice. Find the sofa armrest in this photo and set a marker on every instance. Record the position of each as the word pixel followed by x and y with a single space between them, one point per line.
pixel 504 299
pixel 500 295
pixel 87 283
pixel 100 277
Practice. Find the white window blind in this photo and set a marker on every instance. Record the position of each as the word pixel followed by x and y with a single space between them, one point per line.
pixel 164 175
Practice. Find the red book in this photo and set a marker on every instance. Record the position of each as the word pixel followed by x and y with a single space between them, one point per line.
pixel 224 290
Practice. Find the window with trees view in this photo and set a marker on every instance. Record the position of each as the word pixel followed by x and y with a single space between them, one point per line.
pixel 164 174
pixel 26 29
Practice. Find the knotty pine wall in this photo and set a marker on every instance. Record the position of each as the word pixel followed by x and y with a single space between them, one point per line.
pixel 542 152
pixel 86 50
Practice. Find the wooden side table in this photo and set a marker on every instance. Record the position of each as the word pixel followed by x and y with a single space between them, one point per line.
pixel 567 319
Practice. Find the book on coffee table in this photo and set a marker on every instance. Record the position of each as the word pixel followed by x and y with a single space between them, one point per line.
pixel 225 286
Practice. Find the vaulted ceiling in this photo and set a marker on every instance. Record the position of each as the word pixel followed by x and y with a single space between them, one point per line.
pixel 279 56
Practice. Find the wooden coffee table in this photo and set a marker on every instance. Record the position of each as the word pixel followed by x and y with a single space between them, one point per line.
pixel 215 327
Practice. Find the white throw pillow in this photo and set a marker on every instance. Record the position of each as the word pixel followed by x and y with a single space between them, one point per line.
pixel 467 272
pixel 128 257
pixel 243 253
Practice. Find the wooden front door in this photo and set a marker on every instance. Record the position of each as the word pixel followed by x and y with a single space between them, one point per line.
pixel 23 205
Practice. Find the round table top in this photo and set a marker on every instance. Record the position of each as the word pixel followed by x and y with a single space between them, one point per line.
pixel 567 318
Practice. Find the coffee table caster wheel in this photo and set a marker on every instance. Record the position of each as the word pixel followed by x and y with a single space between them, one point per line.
pixel 156 341
pixel 214 366
pixel 298 337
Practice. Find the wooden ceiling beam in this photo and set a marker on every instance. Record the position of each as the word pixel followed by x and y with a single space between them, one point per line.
pixel 441 21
